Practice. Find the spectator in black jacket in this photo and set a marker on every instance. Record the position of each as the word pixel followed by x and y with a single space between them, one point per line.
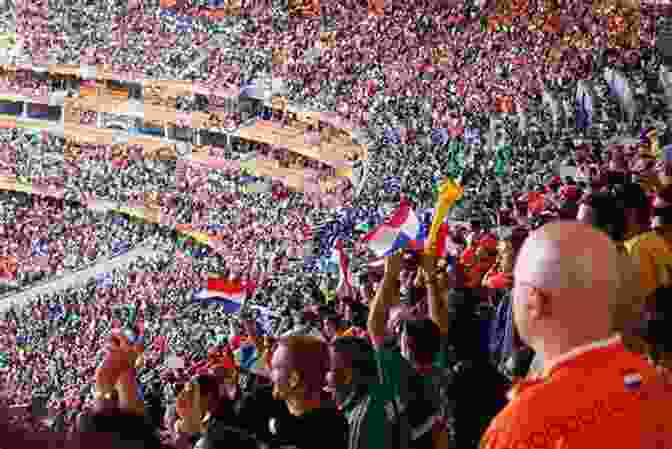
pixel 298 371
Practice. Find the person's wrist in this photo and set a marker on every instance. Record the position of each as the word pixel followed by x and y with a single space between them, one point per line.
pixel 188 426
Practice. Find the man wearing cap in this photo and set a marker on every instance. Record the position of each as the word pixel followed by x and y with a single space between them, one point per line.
pixel 593 391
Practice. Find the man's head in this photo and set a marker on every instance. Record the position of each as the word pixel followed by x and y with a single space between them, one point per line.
pixel 209 389
pixel 654 330
pixel 662 209
pixel 298 367
pixel 331 324
pixel 420 340
pixel 636 207
pixel 352 367
pixel 227 373
pixel 249 325
pixel 396 316
pixel 566 278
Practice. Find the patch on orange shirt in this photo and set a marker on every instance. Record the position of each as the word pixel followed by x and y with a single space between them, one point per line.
pixel 603 397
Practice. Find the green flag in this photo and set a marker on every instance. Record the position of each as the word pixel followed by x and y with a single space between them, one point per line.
pixel 132 313
pixel 363 227
pixel 502 158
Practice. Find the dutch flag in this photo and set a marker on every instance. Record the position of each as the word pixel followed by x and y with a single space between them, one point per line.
pixel 395 233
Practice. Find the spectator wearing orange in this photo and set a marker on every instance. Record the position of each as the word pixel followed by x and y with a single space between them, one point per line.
pixel 478 257
pixel 500 275
pixel 592 391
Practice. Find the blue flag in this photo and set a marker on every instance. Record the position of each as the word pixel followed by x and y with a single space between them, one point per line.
pixel 40 248
pixel 119 220
pixel 392 136
pixel 439 136
pixel 584 111
pixel 392 184
pixel 472 136
pixel 266 324
pixel 247 88
pixel 214 227
pixel 104 280
pixel 55 311
pixel 119 248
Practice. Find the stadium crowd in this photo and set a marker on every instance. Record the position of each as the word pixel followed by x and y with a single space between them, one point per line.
pixel 545 325
pixel 410 347
pixel 50 237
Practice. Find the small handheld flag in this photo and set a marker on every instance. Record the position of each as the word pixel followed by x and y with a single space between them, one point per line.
pixel 395 234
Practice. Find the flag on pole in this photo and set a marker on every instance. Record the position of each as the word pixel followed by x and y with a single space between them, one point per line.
pixel 449 193
pixel 393 235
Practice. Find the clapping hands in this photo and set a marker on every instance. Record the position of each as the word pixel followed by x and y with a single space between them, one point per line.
pixel 120 357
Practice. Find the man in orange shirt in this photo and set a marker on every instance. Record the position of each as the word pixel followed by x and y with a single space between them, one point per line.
pixel 593 392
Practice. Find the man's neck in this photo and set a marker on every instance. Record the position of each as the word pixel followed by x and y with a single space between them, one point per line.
pixel 555 356
pixel 299 407
pixel 634 230
pixel 666 232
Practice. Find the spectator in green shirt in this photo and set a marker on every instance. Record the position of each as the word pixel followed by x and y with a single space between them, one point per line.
pixel 414 403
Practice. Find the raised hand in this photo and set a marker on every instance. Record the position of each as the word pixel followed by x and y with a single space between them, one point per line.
pixel 120 357
pixel 190 408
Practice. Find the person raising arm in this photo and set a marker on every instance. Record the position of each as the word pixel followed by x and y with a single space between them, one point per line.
pixel 386 297
pixel 116 384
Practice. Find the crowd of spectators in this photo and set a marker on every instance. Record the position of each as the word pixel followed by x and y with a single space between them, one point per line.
pixel 50 237
pixel 206 200
pixel 25 84
pixel 7 22
pixel 528 322
pixel 157 290
pixel 439 333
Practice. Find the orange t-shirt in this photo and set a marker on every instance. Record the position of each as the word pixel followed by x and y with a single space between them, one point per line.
pixel 601 397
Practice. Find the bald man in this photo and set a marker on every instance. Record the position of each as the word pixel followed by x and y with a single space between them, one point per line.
pixel 298 370
pixel 592 391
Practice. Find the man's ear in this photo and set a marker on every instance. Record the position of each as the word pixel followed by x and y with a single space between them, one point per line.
pixel 538 304
pixel 294 380
pixel 347 376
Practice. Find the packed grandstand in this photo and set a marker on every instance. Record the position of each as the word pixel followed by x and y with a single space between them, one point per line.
pixel 289 224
